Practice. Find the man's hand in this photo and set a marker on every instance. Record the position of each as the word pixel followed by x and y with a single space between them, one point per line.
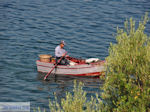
pixel 64 54
pixel 67 55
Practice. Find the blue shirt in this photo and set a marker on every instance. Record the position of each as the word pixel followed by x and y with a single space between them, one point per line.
pixel 59 51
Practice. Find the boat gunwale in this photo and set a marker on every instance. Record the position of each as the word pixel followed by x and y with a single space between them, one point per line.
pixel 91 65
pixel 65 65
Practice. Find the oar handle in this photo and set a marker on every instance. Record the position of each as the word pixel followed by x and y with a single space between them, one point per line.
pixel 54 67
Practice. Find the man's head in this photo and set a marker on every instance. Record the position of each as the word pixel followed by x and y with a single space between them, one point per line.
pixel 62 44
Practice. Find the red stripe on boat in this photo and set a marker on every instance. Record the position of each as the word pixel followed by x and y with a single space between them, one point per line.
pixel 86 74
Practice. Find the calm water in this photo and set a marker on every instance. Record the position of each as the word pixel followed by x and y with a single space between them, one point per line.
pixel 32 27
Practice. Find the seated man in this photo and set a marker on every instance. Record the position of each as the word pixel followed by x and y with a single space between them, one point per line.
pixel 59 52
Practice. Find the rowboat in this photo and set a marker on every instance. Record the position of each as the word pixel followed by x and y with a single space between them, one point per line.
pixel 77 67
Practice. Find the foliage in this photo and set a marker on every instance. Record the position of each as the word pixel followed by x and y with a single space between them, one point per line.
pixel 127 86
pixel 75 102
pixel 127 82
pixel 72 102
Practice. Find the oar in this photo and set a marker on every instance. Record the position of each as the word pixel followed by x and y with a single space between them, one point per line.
pixel 54 67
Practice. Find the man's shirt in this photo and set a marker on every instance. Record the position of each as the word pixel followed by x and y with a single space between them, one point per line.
pixel 59 51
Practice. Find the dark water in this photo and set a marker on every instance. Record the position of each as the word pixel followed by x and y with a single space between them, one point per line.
pixel 32 27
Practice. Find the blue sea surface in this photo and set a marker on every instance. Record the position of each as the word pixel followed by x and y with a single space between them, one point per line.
pixel 32 27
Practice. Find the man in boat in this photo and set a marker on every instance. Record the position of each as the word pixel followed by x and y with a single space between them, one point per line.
pixel 61 52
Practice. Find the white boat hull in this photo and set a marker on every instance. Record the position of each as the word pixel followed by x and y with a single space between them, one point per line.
pixel 94 69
